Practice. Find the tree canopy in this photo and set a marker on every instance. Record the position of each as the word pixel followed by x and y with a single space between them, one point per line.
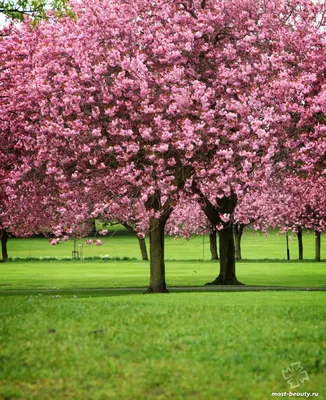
pixel 137 104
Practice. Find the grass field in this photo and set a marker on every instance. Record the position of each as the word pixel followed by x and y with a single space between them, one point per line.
pixel 179 346
pixel 100 274
pixel 120 243
pixel 74 343
pixel 187 263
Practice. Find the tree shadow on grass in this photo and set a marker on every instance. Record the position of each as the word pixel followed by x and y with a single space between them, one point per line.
pixel 71 293
pixel 111 292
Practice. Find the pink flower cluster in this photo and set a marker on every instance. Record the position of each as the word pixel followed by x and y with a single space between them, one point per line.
pixel 97 242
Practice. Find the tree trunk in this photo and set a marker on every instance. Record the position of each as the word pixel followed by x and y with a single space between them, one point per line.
pixel 213 244
pixel 238 231
pixel 227 274
pixel 224 205
pixel 157 266
pixel 143 249
pixel 141 241
pixel 4 240
pixel 300 244
pixel 317 244
pixel 92 223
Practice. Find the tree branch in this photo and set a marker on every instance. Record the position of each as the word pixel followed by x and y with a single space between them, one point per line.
pixel 208 208
pixel 191 12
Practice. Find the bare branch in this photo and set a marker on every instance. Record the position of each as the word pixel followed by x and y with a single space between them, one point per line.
pixel 191 12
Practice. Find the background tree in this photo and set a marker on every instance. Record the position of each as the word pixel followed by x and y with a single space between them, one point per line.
pixel 293 202
pixel 35 9
pixel 189 219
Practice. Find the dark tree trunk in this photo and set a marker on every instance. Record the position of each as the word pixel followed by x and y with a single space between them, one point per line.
pixel 300 244
pixel 317 244
pixel 157 266
pixel 224 205
pixel 4 240
pixel 93 227
pixel 213 244
pixel 238 231
pixel 141 242
pixel 227 274
pixel 143 249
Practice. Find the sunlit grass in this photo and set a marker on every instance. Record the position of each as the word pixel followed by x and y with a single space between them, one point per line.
pixel 180 346
pixel 80 342
pixel 106 274
pixel 120 243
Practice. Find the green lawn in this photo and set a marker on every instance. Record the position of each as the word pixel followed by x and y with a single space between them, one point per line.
pixel 176 346
pixel 96 345
pixel 188 263
pixel 99 274
pixel 122 244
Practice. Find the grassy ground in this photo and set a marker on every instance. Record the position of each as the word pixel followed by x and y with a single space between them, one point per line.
pixel 120 345
pixel 120 243
pixel 177 346
pixel 187 263
pixel 99 274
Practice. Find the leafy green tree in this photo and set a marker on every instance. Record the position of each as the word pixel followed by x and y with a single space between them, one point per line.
pixel 36 9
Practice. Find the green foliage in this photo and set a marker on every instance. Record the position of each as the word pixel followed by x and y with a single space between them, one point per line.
pixel 36 9
pixel 124 346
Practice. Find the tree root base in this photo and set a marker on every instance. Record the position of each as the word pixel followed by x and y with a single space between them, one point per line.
pixel 229 281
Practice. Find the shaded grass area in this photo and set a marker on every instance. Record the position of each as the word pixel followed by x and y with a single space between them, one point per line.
pixel 180 346
pixel 120 243
pixel 101 274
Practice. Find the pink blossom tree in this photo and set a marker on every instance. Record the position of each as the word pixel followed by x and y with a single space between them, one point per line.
pixel 12 104
pixel 295 204
pixel 249 211
pixel 151 100
pixel 189 219
pixel 132 216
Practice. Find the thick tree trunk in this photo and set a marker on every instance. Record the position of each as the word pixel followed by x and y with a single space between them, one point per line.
pixel 213 244
pixel 227 274
pixel 300 244
pixel 224 205
pixel 157 266
pixel 238 231
pixel 317 245
pixel 4 240
pixel 143 249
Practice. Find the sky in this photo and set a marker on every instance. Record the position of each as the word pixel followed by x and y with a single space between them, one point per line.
pixel 2 20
